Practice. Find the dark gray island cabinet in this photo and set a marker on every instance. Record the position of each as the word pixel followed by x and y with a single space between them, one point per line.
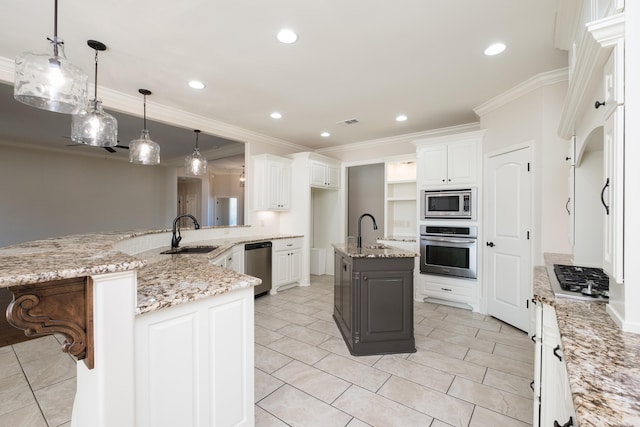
pixel 373 299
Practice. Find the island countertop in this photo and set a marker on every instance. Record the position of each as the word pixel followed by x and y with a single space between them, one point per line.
pixel 603 362
pixel 163 280
pixel 375 250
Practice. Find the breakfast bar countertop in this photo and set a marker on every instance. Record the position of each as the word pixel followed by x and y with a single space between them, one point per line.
pixel 603 362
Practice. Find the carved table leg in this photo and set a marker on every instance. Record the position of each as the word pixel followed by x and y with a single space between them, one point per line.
pixel 63 306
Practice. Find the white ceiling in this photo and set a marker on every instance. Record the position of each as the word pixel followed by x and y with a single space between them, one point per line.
pixel 364 59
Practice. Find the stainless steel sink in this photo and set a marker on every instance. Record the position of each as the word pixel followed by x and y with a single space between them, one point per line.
pixel 190 250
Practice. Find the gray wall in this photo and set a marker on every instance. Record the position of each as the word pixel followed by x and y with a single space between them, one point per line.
pixel 366 195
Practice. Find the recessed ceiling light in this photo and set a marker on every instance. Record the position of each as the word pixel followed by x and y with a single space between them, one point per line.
pixel 276 115
pixel 196 84
pixel 401 118
pixel 495 49
pixel 325 134
pixel 287 36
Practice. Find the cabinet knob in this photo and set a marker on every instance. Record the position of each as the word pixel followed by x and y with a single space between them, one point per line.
pixel 491 244
pixel 443 180
pixel 599 104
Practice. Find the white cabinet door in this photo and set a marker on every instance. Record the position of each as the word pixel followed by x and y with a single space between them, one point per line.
pixel 287 262
pixel 324 175
pixel 272 182
pixel 433 165
pixel 462 161
pixel 295 267
pixel 280 268
pixel 333 176
pixel 612 195
pixel 613 75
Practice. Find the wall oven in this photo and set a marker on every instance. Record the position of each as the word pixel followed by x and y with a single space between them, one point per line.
pixel 448 204
pixel 448 251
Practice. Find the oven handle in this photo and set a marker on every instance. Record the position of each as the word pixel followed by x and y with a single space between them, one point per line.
pixel 448 239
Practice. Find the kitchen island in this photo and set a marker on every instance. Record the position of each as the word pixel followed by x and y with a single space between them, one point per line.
pixel 161 340
pixel 373 298
pixel 602 362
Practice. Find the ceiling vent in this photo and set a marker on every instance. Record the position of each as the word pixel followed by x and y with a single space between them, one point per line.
pixel 348 122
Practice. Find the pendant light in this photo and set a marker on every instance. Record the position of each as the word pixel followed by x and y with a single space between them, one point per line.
pixel 92 125
pixel 143 150
pixel 195 164
pixel 50 82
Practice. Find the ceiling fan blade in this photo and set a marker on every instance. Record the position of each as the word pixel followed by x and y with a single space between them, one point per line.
pixel 109 149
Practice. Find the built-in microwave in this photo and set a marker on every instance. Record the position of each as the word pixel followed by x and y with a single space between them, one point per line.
pixel 449 204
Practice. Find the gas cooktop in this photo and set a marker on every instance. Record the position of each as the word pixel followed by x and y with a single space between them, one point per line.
pixel 580 282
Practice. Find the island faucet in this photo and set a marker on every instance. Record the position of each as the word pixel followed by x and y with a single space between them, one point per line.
pixel 175 238
pixel 375 227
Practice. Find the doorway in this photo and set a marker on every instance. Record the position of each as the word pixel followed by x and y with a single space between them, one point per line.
pixel 365 194
pixel 189 198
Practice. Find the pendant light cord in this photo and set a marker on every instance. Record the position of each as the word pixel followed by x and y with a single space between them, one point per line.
pixel 144 117
pixel 55 28
pixel 197 133
pixel 95 85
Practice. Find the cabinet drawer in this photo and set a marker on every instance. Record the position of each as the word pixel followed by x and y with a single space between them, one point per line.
pixel 286 244
pixel 457 292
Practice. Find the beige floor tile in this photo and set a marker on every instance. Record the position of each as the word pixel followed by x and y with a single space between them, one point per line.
pixel 464 340
pixel 500 363
pixel 298 350
pixel 265 419
pixel 379 411
pixel 452 327
pixel 15 393
pixel 293 317
pixel 491 398
pixel 338 346
pixel 305 309
pixel 293 298
pixel 508 329
pixel 421 329
pixel 313 381
pixel 56 401
pixel 325 327
pixel 297 408
pixel 508 382
pixel 460 312
pixel 28 416
pixel 438 423
pixel 515 353
pixel 50 370
pixel 357 423
pixel 415 372
pixel 327 316
pixel 37 349
pixel 515 340
pixel 264 384
pixel 432 344
pixel 269 360
pixel 65 424
pixel 478 322
pixel 271 300
pixel 265 336
pixel 449 365
pixel 431 314
pixel 9 364
pixel 303 334
pixel 483 418
pixel 433 403
pixel 268 321
pixel 354 372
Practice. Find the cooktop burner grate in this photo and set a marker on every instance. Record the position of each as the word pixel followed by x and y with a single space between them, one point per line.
pixel 577 279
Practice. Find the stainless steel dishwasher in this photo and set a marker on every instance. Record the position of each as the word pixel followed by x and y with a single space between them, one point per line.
pixel 257 263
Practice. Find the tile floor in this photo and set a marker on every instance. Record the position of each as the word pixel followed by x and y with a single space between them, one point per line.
pixel 469 370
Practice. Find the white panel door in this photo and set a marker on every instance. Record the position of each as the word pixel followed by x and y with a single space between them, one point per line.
pixel 507 247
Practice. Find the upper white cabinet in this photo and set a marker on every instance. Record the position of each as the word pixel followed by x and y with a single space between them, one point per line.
pixel 449 161
pixel 324 174
pixel 272 182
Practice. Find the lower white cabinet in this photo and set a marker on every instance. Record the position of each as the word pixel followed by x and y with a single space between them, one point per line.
pixel 553 404
pixel 287 262
pixel 462 292
pixel 195 363
pixel 232 259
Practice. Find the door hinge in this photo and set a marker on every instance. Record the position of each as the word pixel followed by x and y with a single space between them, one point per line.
pixel 528 167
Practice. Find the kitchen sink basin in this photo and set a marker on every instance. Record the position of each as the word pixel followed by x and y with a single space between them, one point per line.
pixel 190 250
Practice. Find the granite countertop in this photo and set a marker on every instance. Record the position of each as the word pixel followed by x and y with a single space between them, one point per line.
pixel 375 250
pixel 163 280
pixel 603 363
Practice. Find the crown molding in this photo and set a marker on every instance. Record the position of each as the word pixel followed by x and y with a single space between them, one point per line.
pixel 535 82
pixel 409 137
pixel 132 105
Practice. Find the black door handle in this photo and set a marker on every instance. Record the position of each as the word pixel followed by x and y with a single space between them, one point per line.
pixel 567 424
pixel 602 196
pixel 555 352
pixel 531 385
pixel 566 206
pixel 490 244
pixel 599 104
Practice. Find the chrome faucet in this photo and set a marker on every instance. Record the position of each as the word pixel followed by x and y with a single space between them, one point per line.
pixel 175 238
pixel 375 227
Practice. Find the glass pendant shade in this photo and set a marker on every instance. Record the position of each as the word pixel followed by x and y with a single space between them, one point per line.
pixel 194 163
pixel 50 82
pixel 144 151
pixel 92 126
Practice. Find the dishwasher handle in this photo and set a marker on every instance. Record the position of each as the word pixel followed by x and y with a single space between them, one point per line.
pixel 260 245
